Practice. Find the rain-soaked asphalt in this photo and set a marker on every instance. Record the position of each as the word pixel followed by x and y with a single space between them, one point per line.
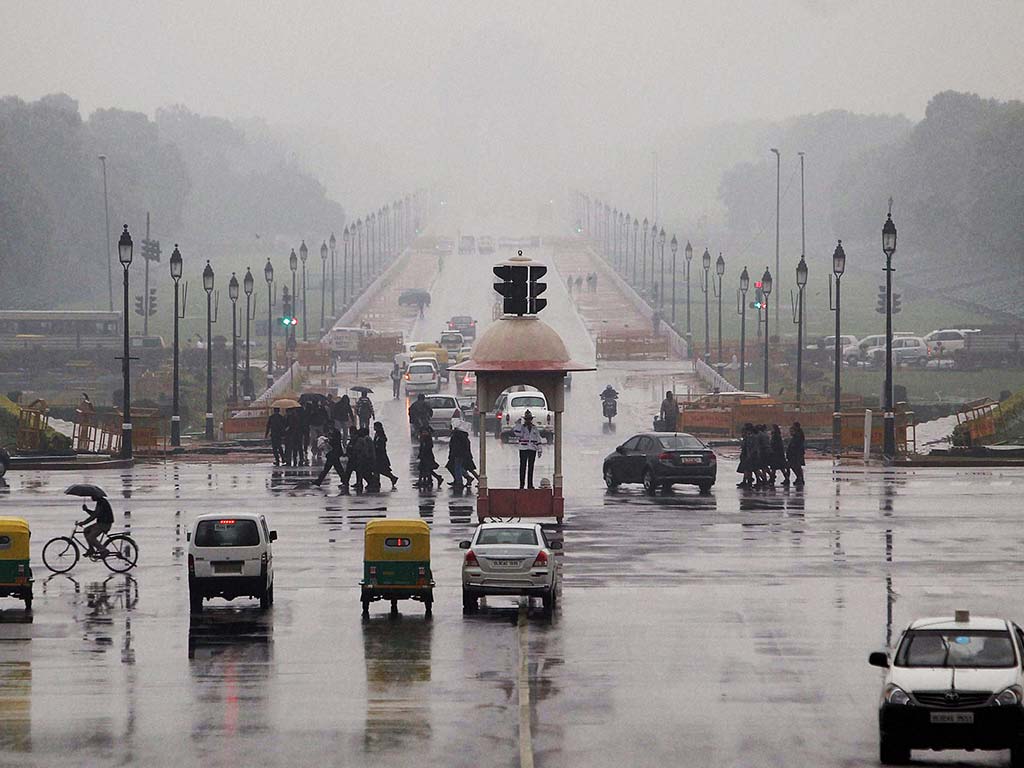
pixel 727 630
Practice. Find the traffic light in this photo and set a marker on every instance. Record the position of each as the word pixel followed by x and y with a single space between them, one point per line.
pixel 288 321
pixel 521 287
pixel 152 301
pixel 758 302
pixel 139 307
pixel 896 308
pixel 880 308
pixel 151 250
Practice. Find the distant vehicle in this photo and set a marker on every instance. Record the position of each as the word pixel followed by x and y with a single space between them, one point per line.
pixel 452 342
pixel 416 349
pixel 956 682
pixel 464 324
pixel 65 329
pixel 857 353
pixel 445 409
pixel 412 297
pixel 344 340
pixel 229 556
pixel 510 559
pixel 661 460
pixel 147 342
pixel 516 401
pixel 422 375
pixel 946 342
pixel 470 412
pixel 485 245
pixel 465 384
pixel 467 244
pixel 906 350
pixel 445 245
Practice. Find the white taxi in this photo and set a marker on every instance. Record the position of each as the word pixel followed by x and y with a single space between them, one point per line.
pixel 956 682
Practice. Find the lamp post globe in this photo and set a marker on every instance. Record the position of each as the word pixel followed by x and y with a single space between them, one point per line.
pixel 744 281
pixel 175 264
pixel 839 260
pixel 293 261
pixel 268 272
pixel 706 259
pixel 766 283
pixel 801 273
pixel 720 265
pixel 247 282
pixel 233 288
pixel 124 248
pixel 208 278
pixel 889 236
pixel 332 241
pixel 303 252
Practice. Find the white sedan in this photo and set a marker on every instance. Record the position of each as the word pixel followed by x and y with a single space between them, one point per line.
pixel 510 559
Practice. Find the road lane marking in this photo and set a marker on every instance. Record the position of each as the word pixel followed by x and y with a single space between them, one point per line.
pixel 523 685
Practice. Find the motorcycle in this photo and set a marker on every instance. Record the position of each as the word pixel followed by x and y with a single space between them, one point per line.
pixel 609 407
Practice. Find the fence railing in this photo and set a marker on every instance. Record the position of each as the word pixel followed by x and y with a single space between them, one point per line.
pixel 711 377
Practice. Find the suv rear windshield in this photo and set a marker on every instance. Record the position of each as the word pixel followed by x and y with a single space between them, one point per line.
pixel 528 402
pixel 507 536
pixel 681 443
pixel 227 533
pixel 986 648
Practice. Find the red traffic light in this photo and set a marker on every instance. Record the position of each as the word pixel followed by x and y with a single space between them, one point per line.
pixel 758 284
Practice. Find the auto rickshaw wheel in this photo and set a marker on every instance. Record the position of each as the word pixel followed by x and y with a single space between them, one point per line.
pixel 428 605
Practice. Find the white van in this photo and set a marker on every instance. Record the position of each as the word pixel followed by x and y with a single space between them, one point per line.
pixel 229 556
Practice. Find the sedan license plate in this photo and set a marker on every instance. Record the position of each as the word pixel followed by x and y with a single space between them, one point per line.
pixel 229 566
pixel 505 563
pixel 962 718
pixel 690 459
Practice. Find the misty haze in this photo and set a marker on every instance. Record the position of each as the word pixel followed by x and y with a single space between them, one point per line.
pixel 532 384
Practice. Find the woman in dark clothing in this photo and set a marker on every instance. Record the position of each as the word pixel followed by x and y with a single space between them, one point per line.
pixel 459 450
pixel 747 456
pixel 777 456
pixel 380 449
pixel 764 452
pixel 365 460
pixel 795 454
pixel 427 463
pixel 344 418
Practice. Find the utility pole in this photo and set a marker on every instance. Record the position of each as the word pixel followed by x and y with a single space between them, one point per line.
pixel 778 172
pixel 106 233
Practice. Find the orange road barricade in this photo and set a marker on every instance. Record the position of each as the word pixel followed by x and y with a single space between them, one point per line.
pixel 723 415
pixel 379 347
pixel 247 422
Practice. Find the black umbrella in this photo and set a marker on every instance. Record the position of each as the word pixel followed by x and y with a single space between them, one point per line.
pixel 85 490
pixel 363 390
pixel 312 397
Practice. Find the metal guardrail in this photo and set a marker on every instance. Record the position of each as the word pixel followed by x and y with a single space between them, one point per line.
pixel 713 378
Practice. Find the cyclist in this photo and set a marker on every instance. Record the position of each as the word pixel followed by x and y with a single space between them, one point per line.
pixel 103 516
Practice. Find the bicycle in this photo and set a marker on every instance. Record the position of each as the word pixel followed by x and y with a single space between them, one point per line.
pixel 61 553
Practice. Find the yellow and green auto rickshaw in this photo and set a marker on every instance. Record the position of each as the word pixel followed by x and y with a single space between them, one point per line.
pixel 15 570
pixel 396 563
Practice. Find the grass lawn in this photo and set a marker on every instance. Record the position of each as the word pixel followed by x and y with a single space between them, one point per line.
pixel 925 386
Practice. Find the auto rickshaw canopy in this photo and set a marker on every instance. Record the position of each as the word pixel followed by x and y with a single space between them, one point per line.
pixel 14 538
pixel 393 539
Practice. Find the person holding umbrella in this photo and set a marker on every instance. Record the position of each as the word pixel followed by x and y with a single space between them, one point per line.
pixel 364 407
pixel 97 524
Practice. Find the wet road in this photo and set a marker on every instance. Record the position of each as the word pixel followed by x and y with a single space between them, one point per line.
pixel 731 629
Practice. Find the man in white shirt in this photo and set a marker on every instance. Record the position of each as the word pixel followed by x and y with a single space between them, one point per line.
pixel 529 439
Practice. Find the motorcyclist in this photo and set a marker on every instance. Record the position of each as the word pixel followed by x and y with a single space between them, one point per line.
pixel 609 393
pixel 609 401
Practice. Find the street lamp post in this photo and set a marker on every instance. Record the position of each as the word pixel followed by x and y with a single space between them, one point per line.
pixel 293 265
pixel 720 271
pixel 334 307
pixel 175 394
pixel 798 318
pixel 303 254
pixel 208 287
pixel 233 296
pixel 636 234
pixel 247 286
pixel 688 252
pixel 778 171
pixel 323 288
pixel 643 259
pixel 124 255
pixel 888 248
pixel 838 268
pixel 766 288
pixel 268 274
pixel 344 268
pixel 615 238
pixel 675 247
pixel 654 238
pixel 661 280
pixel 706 263
pixel 106 233
pixel 359 249
pixel 742 309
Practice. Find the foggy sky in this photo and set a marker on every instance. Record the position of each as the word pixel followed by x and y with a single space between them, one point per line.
pixel 387 94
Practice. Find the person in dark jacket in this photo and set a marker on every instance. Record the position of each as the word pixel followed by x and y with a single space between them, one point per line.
pixel 306 416
pixel 275 429
pixel 364 461
pixel 777 456
pixel 427 463
pixel 396 381
pixel 795 454
pixel 364 410
pixel 764 450
pixel 747 456
pixel 98 523
pixel 380 450
pixel 293 437
pixel 343 417
pixel 335 459
pixel 459 452
pixel 420 413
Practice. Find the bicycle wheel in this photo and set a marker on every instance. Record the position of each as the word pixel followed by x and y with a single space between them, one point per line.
pixel 122 553
pixel 61 554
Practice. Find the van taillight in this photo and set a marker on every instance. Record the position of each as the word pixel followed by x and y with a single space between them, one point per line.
pixel 542 560
pixel 471 559
pixel 407 377
pixel 191 565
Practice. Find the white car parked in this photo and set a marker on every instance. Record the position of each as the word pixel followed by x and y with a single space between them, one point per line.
pixel 510 559
pixel 906 350
pixel 955 683
pixel 514 402
pixel 944 343
pixel 230 556
pixel 857 353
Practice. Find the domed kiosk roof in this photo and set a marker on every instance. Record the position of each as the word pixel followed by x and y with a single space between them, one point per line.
pixel 520 344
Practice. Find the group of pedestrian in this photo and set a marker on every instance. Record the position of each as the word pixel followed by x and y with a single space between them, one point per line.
pixel 364 457
pixel 764 454
pixel 590 278
pixel 289 435
pixel 295 434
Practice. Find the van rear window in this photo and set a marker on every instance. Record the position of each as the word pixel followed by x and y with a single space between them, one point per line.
pixel 227 533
